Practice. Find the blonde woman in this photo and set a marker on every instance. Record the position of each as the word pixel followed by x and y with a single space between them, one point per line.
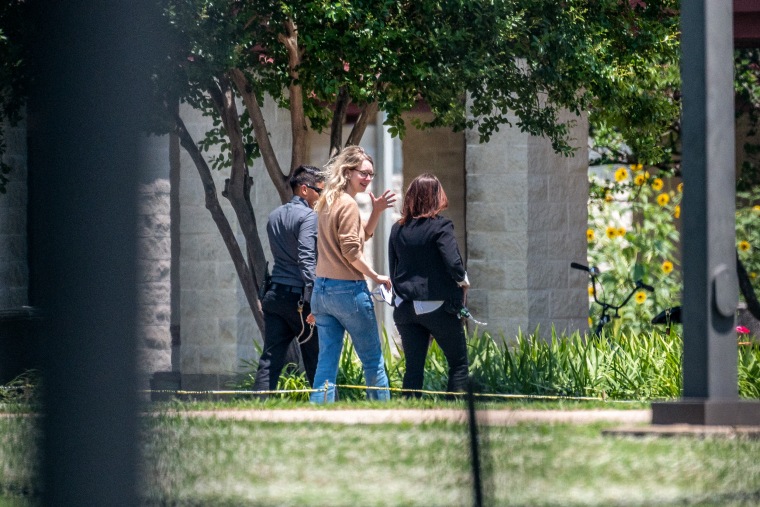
pixel 341 301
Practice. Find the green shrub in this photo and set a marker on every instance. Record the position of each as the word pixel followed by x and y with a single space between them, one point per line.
pixel 632 235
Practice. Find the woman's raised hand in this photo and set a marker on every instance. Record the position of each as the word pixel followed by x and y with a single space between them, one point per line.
pixel 383 202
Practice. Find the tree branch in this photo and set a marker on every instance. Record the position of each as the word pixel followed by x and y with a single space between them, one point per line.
pixel 217 214
pixel 238 187
pixel 361 124
pixel 245 89
pixel 339 117
pixel 298 125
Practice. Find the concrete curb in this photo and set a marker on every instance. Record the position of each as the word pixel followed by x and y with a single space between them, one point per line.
pixel 396 416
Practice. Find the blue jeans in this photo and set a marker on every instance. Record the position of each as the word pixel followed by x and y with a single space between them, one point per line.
pixel 339 306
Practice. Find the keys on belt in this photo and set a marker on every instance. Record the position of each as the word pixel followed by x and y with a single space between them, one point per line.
pixel 281 287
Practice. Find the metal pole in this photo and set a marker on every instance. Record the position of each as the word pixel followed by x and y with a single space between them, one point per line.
pixel 477 483
pixel 710 391
pixel 89 95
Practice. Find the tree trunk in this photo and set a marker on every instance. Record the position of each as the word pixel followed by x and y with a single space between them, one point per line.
pixel 298 126
pixel 245 89
pixel 245 275
pixel 339 117
pixel 361 124
pixel 238 186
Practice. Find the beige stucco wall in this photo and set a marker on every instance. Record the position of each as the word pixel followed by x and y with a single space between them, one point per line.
pixel 441 152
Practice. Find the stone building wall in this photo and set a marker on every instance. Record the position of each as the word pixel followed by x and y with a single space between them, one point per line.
pixel 153 280
pixel 526 221
pixel 441 152
pixel 14 269
pixel 218 331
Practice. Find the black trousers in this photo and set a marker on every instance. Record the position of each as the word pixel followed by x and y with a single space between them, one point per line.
pixel 282 324
pixel 416 331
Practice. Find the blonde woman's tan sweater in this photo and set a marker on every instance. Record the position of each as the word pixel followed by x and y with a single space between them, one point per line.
pixel 340 240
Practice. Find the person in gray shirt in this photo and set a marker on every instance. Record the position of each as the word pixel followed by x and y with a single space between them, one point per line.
pixel 292 231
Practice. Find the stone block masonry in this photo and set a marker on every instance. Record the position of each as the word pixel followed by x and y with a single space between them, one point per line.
pixel 526 221
pixel 218 331
pixel 154 279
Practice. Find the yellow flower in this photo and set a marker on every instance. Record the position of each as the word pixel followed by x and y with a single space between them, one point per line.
pixel 677 211
pixel 621 174
pixel 744 246
pixel 621 231
pixel 640 179
pixel 590 290
pixel 680 187
pixel 663 199
pixel 755 208
pixel 590 322
pixel 611 232
pixel 641 297
pixel 667 267
pixel 608 197
pixel 590 235
pixel 657 184
pixel 752 275
pixel 636 167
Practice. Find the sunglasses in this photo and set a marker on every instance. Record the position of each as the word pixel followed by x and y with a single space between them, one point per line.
pixel 316 189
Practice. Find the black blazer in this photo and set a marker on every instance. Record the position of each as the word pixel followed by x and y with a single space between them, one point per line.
pixel 425 262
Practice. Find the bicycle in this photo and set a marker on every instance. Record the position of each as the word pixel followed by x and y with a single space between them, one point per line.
pixel 605 317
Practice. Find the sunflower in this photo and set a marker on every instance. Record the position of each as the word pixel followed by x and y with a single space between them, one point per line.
pixel 608 197
pixel 677 211
pixel 667 267
pixel 621 174
pixel 640 179
pixel 590 290
pixel 641 297
pixel 621 231
pixel 657 184
pixel 744 246
pixel 756 207
pixel 663 199
pixel 611 232
pixel 637 167
pixel 590 235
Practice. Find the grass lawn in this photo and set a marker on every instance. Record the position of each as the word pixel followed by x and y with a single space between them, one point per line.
pixel 198 462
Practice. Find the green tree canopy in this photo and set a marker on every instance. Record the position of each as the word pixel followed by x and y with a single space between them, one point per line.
pixel 476 64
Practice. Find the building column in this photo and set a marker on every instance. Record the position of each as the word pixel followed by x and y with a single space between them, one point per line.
pixel 526 221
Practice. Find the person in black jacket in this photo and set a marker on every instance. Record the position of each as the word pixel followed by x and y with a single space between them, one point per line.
pixel 429 283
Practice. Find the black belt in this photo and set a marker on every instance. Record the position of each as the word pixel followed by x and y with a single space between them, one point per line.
pixel 287 288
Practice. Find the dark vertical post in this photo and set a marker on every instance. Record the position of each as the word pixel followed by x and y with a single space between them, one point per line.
pixel 477 482
pixel 710 391
pixel 90 91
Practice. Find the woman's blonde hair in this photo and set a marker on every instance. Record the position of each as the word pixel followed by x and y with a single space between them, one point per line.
pixel 337 174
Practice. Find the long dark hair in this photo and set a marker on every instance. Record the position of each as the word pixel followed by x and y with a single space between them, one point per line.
pixel 424 198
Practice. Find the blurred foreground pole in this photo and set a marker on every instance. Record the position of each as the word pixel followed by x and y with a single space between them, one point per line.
pixel 89 67
pixel 472 418
pixel 710 390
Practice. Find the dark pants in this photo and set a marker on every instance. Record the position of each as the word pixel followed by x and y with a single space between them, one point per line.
pixel 416 331
pixel 282 324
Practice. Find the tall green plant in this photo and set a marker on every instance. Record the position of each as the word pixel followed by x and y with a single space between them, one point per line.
pixel 633 235
pixel 748 233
